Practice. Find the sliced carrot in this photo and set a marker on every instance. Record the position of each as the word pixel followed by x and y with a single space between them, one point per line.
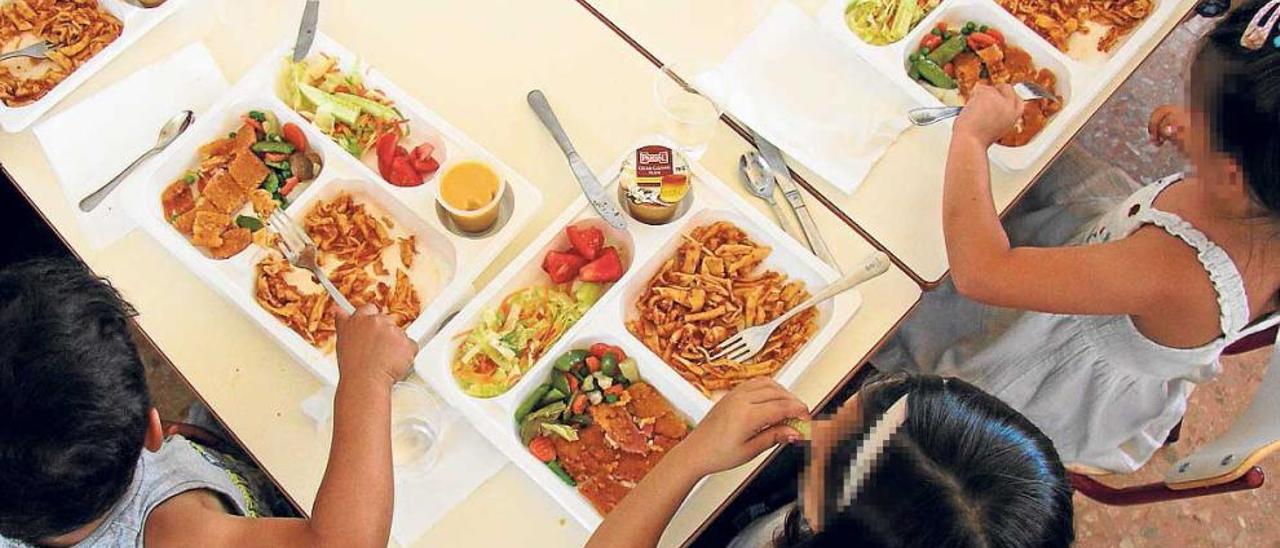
pixel 543 449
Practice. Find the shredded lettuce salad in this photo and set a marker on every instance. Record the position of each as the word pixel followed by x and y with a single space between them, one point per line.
pixel 339 103
pixel 507 340
pixel 881 22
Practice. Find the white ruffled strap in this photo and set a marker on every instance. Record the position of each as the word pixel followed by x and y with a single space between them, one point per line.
pixel 1233 302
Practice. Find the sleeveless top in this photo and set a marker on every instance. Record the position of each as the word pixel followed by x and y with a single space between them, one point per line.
pixel 1102 391
pixel 178 467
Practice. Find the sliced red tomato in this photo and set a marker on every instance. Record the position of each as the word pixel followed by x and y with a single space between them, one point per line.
pixel 980 40
pixel 543 449
pixel 386 147
pixel 293 135
pixel 586 241
pixel 426 167
pixel 573 381
pixel 607 268
pixel 275 157
pixel 599 349
pixel 593 364
pixel 614 389
pixel 617 352
pixel 403 174
pixel 994 33
pixel 562 266
pixel 931 41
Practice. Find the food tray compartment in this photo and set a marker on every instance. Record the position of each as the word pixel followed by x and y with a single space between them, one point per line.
pixel 432 272
pixel 1042 54
pixel 526 272
pixel 183 155
pixel 507 435
pixel 1082 47
pixel 136 21
pixel 782 259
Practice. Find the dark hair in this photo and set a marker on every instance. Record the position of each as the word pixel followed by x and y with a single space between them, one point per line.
pixel 1238 90
pixel 964 470
pixel 73 399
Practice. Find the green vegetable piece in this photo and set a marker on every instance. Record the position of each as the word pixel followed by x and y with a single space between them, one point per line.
pixel 190 178
pixel 629 370
pixel 531 401
pixel 588 383
pixel 559 382
pixel 914 71
pixel 983 28
pixel 374 108
pixel 254 224
pixel 564 431
pixel 934 74
pixel 273 146
pixel 925 51
pixel 553 395
pixel 969 27
pixel 257 115
pixel 936 32
pixel 559 472
pixel 610 398
pixel 948 50
pixel 272 184
pixel 609 365
pixel 570 360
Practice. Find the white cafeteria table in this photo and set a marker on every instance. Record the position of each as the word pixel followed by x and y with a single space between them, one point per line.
pixel 472 62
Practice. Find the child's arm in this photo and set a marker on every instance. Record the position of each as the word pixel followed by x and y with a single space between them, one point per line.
pixel 1096 279
pixel 744 424
pixel 354 503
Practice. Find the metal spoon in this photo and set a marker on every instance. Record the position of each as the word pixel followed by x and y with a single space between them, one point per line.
pixel 168 134
pixel 932 115
pixel 761 184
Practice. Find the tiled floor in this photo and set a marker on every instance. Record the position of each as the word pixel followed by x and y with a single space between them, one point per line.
pixel 1240 519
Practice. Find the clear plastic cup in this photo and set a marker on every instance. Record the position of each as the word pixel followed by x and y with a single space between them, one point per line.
pixel 689 118
pixel 420 421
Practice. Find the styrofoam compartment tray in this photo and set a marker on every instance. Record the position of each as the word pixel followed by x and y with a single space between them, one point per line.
pixel 447 263
pixel 1082 73
pixel 137 22
pixel 644 250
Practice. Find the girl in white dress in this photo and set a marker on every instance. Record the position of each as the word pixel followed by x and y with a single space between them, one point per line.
pixel 1093 314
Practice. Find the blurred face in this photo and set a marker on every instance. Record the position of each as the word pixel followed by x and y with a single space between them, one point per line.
pixel 827 433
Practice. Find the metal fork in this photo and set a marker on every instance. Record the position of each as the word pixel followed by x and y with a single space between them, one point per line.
pixel 38 50
pixel 750 341
pixel 1026 91
pixel 301 252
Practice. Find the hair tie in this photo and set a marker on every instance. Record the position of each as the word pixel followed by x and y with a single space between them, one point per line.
pixel 871 450
pixel 1259 29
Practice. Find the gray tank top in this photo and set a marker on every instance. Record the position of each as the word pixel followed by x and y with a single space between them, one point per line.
pixel 178 467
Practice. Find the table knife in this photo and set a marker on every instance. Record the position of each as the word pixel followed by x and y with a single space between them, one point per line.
pixel 586 178
pixel 778 167
pixel 306 30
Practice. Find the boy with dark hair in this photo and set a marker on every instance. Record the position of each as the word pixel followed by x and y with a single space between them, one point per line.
pixel 84 460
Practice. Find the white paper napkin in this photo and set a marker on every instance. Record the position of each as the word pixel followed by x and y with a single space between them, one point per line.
pixel 91 142
pixel 810 95
pixel 467 460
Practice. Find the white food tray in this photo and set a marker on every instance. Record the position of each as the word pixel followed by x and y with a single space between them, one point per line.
pixel 1082 72
pixel 137 22
pixel 644 251
pixel 447 263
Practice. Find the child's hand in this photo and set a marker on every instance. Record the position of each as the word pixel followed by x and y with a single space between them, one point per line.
pixel 990 113
pixel 742 425
pixel 1169 124
pixel 372 347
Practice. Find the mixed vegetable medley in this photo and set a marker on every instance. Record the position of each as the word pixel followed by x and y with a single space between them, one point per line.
pixel 951 61
pixel 597 425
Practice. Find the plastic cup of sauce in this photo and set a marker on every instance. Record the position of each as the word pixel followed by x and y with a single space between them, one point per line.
pixel 470 192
